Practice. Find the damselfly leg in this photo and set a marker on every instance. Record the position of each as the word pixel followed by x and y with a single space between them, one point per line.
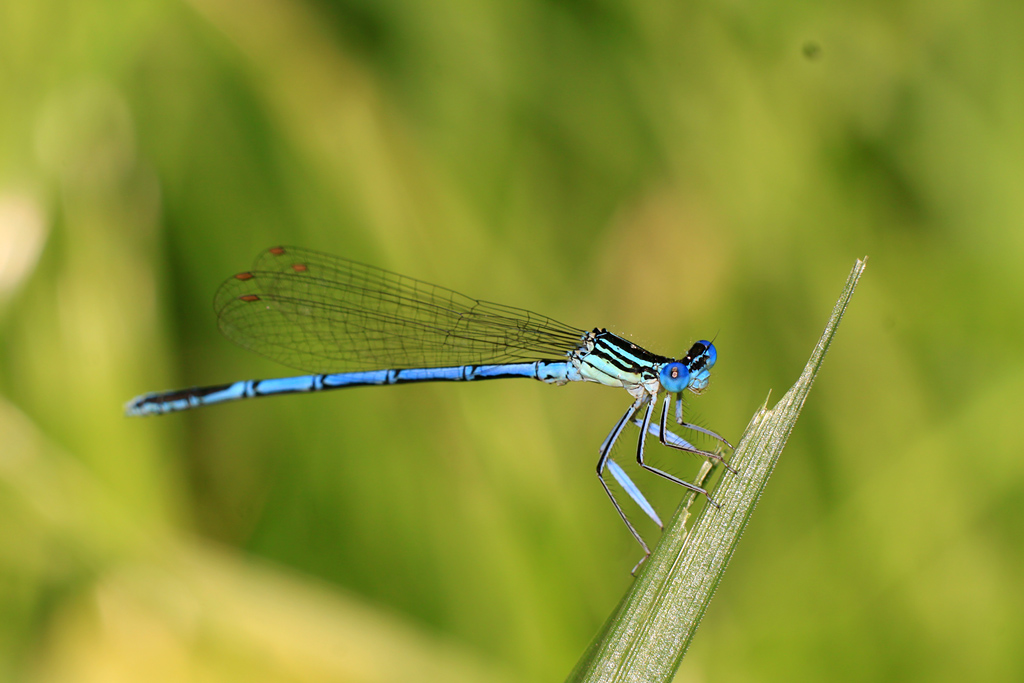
pixel 668 438
pixel 693 427
pixel 631 489
pixel 640 459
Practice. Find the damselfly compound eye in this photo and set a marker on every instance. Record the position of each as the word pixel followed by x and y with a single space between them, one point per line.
pixel 674 376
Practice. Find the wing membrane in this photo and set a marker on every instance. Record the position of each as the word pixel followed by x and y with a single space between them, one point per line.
pixel 321 313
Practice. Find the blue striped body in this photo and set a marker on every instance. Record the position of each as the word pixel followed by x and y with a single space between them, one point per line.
pixel 552 372
pixel 600 357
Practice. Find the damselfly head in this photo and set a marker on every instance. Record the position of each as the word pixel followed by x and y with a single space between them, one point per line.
pixel 699 360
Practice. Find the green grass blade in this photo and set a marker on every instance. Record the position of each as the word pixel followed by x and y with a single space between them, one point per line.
pixel 648 634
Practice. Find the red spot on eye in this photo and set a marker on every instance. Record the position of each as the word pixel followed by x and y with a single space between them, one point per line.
pixel 276 251
pixel 249 297
pixel 244 276
pixel 300 267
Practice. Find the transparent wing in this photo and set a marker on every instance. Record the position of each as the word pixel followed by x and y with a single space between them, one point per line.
pixel 321 313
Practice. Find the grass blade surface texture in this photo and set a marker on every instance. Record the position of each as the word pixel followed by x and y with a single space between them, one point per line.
pixel 648 634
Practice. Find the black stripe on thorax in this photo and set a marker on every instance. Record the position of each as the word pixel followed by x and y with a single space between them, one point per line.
pixel 623 354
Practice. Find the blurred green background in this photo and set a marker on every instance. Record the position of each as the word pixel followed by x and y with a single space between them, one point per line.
pixel 672 171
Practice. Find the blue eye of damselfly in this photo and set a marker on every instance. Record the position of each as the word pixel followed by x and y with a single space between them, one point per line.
pixel 674 376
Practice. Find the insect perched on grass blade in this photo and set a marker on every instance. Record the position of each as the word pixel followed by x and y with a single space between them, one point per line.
pixel 356 325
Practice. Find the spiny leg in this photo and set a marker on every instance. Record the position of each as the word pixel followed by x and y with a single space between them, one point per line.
pixel 606 449
pixel 640 458
pixel 693 427
pixel 669 438
pixel 689 447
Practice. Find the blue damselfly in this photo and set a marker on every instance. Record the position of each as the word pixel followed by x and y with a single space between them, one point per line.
pixel 356 325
